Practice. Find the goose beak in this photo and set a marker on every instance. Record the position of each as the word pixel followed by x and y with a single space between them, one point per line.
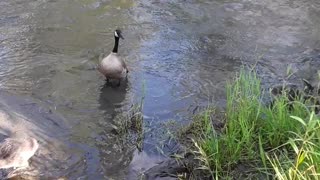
pixel 120 35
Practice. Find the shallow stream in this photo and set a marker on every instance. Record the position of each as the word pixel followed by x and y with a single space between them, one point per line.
pixel 180 54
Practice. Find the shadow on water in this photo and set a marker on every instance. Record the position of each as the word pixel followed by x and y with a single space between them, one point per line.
pixel 112 96
pixel 121 157
pixel 114 155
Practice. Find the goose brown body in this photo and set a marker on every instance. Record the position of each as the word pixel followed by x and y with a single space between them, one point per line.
pixel 113 67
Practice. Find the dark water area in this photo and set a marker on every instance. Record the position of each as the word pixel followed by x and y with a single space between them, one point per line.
pixel 180 54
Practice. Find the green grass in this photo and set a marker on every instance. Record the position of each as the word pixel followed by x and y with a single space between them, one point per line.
pixel 301 158
pixel 278 142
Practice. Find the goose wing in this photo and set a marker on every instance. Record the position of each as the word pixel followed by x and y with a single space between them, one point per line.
pixel 123 63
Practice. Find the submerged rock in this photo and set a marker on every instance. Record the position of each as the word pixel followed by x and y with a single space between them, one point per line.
pixel 25 117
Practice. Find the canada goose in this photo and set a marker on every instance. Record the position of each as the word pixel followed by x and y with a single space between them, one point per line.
pixel 113 66
pixel 15 152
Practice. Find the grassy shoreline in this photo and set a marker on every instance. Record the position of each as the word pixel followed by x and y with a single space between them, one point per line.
pixel 257 141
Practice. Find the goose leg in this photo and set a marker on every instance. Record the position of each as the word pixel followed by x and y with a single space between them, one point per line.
pixel 119 82
pixel 107 80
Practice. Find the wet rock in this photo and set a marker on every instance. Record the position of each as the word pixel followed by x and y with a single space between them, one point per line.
pixel 291 90
pixel 166 170
pixel 309 93
pixel 21 116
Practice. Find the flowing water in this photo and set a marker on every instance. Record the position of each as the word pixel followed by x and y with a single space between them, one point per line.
pixel 180 54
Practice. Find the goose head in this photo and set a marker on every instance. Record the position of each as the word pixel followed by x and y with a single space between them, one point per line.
pixel 118 34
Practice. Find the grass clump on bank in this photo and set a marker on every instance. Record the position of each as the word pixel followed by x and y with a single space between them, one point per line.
pixel 259 141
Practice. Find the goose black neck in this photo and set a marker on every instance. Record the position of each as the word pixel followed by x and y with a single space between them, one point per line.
pixel 116 44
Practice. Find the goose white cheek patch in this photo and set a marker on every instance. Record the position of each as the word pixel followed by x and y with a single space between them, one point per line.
pixel 116 34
